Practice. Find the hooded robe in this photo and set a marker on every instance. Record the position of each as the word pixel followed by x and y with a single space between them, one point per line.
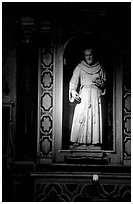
pixel 87 119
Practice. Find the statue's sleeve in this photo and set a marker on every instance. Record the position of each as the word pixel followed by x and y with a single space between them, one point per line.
pixel 74 82
pixel 75 79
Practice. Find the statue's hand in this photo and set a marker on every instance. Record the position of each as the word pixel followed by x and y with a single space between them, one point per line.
pixel 100 83
pixel 75 95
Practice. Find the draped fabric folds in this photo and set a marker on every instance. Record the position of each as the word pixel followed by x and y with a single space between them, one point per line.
pixel 87 119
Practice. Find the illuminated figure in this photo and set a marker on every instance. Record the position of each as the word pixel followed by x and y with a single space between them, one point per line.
pixel 87 120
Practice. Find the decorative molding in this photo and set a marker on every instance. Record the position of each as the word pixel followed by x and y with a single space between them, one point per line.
pixel 46 79
pixel 72 192
pixel 47 58
pixel 46 124
pixel 126 115
pixel 46 103
pixel 26 27
pixel 46 145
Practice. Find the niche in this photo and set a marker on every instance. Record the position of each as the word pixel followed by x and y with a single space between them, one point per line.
pixel 71 57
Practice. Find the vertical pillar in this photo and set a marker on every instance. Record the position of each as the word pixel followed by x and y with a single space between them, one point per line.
pixel 45 116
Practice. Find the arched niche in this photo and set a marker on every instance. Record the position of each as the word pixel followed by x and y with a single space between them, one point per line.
pixel 71 57
pixel 68 55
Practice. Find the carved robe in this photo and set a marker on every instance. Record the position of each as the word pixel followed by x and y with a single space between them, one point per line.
pixel 87 119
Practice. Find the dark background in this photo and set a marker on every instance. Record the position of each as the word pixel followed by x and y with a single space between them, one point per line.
pixel 26 29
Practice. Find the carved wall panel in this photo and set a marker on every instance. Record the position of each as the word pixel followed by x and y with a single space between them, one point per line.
pixel 46 103
pixel 127 106
pixel 73 192
pixel 127 123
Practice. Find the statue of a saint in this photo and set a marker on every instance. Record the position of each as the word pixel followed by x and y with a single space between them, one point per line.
pixel 87 120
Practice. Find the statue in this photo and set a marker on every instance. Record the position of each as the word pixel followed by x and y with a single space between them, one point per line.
pixel 87 120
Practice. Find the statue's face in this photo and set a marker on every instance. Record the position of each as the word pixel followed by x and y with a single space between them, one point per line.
pixel 89 56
